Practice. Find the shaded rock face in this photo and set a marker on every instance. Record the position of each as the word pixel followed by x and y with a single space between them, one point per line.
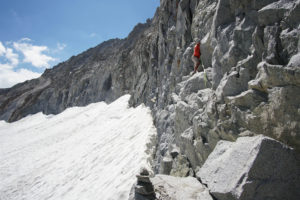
pixel 252 168
pixel 250 85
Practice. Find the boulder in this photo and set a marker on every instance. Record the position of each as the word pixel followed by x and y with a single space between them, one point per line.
pixel 275 75
pixel 166 165
pixel 233 84
pixel 198 81
pixel 273 12
pixel 252 168
pixel 180 167
pixel 295 61
pixel 293 15
pixel 175 188
pixel 279 117
pixel 249 99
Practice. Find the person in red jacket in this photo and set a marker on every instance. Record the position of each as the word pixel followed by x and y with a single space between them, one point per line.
pixel 196 56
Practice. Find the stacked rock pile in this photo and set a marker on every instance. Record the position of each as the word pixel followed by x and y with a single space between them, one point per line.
pixel 144 189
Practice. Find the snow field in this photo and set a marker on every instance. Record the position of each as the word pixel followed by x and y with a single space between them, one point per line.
pixel 85 153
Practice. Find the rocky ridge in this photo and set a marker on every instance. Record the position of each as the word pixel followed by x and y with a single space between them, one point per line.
pixel 250 85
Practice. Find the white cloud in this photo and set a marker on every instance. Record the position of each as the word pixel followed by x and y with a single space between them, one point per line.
pixel 61 46
pixel 25 40
pixel 2 49
pixel 12 57
pixel 11 53
pixel 34 54
pixel 8 77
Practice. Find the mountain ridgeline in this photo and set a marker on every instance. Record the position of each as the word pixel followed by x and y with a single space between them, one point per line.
pixel 98 74
pixel 251 84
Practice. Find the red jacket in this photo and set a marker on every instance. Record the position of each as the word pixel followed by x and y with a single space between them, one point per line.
pixel 197 52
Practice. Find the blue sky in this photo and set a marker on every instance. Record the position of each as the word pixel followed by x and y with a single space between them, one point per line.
pixel 38 34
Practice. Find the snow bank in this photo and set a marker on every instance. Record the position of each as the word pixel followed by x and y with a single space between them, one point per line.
pixel 84 153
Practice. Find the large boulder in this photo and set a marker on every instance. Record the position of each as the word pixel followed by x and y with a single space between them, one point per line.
pixel 257 168
pixel 274 12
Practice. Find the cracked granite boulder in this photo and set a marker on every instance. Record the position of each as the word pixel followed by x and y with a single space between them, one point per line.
pixel 252 168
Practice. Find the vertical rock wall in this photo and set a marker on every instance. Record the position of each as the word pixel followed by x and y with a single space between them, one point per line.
pixel 250 52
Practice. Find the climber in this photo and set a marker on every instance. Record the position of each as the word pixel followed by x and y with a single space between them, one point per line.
pixel 196 56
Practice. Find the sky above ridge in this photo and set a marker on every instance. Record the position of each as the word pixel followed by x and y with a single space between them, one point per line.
pixel 38 34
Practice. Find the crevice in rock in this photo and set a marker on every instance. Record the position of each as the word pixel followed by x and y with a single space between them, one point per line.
pixel 107 83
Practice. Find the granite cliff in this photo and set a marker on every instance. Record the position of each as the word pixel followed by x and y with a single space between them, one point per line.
pixel 250 86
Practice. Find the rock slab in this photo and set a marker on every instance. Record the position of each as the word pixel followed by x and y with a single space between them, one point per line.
pixel 175 188
pixel 252 168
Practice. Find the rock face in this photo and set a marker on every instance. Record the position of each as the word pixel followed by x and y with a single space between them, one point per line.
pixel 252 168
pixel 250 85
pixel 250 53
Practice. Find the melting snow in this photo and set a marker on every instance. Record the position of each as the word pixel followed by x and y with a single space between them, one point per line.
pixel 84 153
